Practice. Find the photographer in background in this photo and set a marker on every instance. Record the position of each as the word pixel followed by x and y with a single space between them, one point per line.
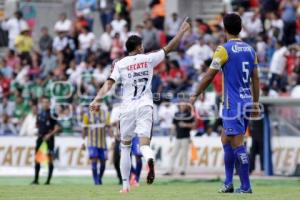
pixel 183 122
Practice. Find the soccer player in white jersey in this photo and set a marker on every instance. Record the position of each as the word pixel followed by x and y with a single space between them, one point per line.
pixel 135 72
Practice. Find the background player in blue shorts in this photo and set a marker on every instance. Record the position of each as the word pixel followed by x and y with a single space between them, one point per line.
pixel 238 62
pixel 137 169
pixel 94 124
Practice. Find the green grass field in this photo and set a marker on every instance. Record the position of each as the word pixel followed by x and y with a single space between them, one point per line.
pixel 66 188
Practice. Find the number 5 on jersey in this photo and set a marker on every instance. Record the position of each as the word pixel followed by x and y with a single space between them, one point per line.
pixel 245 71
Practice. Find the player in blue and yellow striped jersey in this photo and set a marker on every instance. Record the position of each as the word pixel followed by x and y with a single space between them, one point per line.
pixel 94 128
pixel 238 63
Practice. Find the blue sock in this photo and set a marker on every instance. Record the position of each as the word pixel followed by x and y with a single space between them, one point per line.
pixel 243 166
pixel 102 169
pixel 138 169
pixel 132 170
pixel 95 174
pixel 229 160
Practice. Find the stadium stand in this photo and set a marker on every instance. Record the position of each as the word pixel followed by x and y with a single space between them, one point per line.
pixel 62 55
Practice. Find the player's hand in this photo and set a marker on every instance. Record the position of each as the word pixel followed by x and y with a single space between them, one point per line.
pixel 193 99
pixel 94 106
pixel 186 25
pixel 255 114
pixel 47 137
pixel 83 147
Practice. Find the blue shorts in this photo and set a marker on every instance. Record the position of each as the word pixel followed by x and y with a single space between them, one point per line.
pixel 95 152
pixel 135 147
pixel 235 122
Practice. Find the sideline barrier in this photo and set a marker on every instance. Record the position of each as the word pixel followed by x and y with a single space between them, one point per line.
pixel 18 153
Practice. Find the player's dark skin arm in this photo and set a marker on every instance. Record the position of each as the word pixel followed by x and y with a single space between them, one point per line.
pixel 255 91
pixel 207 79
pixel 173 44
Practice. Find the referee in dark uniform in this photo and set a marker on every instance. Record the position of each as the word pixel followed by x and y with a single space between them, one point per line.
pixel 47 128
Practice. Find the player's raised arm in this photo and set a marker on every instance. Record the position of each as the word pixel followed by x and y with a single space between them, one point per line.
pixel 114 76
pixel 173 44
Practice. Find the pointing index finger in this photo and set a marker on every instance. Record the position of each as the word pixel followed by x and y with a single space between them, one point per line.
pixel 188 20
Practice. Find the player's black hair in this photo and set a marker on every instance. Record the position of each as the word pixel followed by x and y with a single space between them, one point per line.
pixel 232 23
pixel 133 42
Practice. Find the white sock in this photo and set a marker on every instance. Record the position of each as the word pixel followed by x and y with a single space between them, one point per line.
pixel 147 152
pixel 125 165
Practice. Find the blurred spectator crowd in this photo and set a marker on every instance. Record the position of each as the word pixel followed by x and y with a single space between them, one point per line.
pixel 71 65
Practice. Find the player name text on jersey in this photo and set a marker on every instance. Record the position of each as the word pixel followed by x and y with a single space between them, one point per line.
pixel 136 66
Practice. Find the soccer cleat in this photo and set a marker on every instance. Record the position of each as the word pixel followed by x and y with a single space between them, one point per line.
pixel 151 173
pixel 226 189
pixel 241 191
pixel 47 183
pixel 124 191
pixel 182 173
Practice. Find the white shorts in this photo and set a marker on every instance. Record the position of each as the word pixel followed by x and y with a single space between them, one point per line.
pixel 136 121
